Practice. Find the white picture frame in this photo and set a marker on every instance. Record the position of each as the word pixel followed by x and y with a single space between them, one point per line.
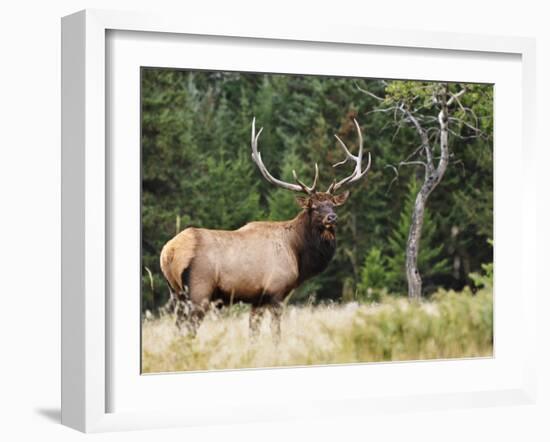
pixel 86 206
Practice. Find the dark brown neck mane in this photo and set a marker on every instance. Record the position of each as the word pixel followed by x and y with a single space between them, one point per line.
pixel 314 248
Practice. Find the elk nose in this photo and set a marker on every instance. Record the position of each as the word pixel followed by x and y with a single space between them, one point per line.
pixel 331 218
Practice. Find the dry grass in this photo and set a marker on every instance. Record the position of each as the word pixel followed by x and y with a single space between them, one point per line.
pixel 452 325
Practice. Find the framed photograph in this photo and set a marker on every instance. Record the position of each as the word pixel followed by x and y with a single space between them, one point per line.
pixel 265 224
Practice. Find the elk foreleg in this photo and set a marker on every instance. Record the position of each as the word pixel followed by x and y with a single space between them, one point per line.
pixel 255 321
pixel 276 311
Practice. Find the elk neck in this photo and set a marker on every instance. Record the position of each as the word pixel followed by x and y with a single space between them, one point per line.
pixel 313 249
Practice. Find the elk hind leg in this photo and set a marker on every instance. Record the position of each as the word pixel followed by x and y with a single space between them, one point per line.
pixel 200 295
pixel 179 302
pixel 170 306
pixel 183 308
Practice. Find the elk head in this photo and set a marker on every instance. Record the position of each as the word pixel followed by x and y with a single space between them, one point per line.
pixel 319 205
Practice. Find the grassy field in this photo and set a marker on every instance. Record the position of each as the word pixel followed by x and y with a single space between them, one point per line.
pixel 450 325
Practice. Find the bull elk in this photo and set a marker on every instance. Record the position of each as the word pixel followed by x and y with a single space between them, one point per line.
pixel 263 261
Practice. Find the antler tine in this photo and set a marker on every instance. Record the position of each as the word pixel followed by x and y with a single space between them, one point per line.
pixel 308 190
pixel 257 158
pixel 348 153
pixel 360 153
pixel 357 172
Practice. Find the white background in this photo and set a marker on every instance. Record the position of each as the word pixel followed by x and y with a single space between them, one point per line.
pixel 30 221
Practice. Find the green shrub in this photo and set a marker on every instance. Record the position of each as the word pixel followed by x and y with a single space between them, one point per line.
pixel 374 277
pixel 485 278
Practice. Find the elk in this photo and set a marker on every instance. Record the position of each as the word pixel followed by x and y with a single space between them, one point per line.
pixel 263 261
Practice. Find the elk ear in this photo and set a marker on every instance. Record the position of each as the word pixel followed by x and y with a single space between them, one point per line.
pixel 338 200
pixel 304 202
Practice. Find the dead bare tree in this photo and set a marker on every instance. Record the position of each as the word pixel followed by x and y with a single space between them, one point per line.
pixel 433 119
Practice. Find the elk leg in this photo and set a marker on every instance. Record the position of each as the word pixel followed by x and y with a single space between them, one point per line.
pixel 199 294
pixel 276 311
pixel 195 318
pixel 182 311
pixel 255 320
pixel 181 306
pixel 170 305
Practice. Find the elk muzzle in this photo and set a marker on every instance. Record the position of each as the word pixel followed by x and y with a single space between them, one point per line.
pixel 330 220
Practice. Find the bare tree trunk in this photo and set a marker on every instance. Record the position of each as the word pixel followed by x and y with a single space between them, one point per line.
pixel 432 178
pixel 413 243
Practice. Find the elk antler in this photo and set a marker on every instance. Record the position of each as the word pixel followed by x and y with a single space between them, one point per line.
pixel 257 157
pixel 357 173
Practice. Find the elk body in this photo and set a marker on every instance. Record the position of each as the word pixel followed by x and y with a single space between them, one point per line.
pixel 262 262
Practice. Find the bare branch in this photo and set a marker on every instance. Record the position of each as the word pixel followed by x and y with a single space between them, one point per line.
pixel 427 118
pixel 422 133
pixel 386 109
pixel 369 93
pixel 413 163
pixel 463 137
pixel 391 166
pixel 455 97
pixel 395 178
pixel 399 126
pixel 474 115
pixel 397 108
pixel 415 152
pixel 468 125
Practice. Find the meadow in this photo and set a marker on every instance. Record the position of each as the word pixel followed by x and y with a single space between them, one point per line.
pixel 448 325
